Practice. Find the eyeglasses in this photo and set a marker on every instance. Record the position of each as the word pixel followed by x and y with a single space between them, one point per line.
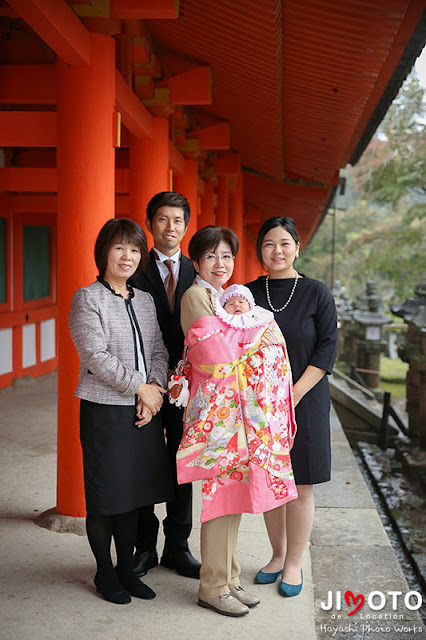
pixel 212 258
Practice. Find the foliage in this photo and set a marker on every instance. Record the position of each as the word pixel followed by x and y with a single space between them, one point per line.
pixel 402 171
pixel 395 370
pixel 393 377
pixel 381 234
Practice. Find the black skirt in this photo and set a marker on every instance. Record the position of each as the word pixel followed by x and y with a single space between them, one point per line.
pixel 125 467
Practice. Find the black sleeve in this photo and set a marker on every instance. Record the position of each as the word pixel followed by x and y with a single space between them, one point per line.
pixel 325 353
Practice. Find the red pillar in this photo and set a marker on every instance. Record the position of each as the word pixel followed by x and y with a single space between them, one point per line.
pixel 222 211
pixel 85 159
pixel 187 185
pixel 206 216
pixel 253 268
pixel 236 224
pixel 149 169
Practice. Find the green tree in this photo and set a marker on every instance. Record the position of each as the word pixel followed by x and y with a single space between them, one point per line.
pixel 401 172
pixel 381 236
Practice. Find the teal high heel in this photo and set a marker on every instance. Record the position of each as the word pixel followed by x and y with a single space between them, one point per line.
pixel 290 590
pixel 266 578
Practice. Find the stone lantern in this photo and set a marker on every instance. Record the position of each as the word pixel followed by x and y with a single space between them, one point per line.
pixel 344 320
pixel 413 311
pixel 369 337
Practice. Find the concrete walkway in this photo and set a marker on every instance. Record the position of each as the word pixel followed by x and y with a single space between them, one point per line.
pixel 46 586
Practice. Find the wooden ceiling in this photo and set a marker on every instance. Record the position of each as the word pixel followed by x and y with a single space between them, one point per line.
pixel 294 87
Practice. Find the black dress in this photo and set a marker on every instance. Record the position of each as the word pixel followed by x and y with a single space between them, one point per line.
pixel 309 326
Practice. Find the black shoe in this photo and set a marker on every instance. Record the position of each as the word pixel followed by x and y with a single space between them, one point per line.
pixel 113 592
pixel 135 587
pixel 143 561
pixel 183 562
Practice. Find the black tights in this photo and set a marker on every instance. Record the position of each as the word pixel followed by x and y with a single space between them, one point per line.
pixel 100 530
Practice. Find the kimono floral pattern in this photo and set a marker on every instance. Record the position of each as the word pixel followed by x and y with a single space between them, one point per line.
pixel 239 424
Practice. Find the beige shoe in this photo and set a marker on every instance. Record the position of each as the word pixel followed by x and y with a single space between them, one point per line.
pixel 245 597
pixel 227 605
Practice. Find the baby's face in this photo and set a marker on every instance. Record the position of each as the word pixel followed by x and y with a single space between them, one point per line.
pixel 236 305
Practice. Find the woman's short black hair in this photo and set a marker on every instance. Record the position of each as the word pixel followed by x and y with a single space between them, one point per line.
pixel 208 238
pixel 115 231
pixel 168 199
pixel 286 223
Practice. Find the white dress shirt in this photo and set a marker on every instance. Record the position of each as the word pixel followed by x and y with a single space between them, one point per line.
pixel 162 268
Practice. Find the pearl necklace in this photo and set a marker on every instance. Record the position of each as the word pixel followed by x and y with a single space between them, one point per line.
pixel 268 297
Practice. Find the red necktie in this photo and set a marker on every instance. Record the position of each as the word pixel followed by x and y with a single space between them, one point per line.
pixel 170 283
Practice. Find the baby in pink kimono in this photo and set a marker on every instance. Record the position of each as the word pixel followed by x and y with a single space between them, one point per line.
pixel 239 423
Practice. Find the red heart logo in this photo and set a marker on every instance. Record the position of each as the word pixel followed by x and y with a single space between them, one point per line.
pixel 359 597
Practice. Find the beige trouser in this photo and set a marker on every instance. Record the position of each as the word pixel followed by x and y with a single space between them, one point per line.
pixel 220 568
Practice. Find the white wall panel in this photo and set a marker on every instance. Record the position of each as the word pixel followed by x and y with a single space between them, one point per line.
pixel 6 358
pixel 47 335
pixel 28 345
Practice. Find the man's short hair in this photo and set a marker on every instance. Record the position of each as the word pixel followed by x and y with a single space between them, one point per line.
pixel 168 199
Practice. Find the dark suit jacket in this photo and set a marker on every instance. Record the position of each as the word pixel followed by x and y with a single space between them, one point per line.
pixel 150 280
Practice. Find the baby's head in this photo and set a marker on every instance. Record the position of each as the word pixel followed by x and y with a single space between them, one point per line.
pixel 237 299
pixel 236 304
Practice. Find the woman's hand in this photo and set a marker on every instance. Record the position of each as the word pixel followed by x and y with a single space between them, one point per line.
pixel 143 413
pixel 311 376
pixel 151 397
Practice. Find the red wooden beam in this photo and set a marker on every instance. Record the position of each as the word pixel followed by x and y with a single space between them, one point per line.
pixel 191 87
pixel 200 186
pixel 176 160
pixel 27 128
pixel 228 164
pixel 134 115
pixel 27 84
pixel 25 179
pixel 56 23
pixel 146 10
pixel 34 203
pixel 122 181
pixel 257 187
pixel 252 216
pixel 215 137
pixel 43 157
pixel 122 205
pixel 140 50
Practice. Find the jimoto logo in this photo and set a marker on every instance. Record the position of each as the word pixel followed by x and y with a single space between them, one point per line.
pixel 375 601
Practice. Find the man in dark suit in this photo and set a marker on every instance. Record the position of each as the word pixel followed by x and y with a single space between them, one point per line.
pixel 168 275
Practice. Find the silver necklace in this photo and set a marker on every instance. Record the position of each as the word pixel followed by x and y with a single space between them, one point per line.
pixel 268 297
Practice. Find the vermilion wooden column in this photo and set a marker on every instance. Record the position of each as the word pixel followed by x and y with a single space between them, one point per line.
pixel 207 210
pixel 149 169
pixel 85 159
pixel 253 268
pixel 186 184
pixel 222 211
pixel 236 223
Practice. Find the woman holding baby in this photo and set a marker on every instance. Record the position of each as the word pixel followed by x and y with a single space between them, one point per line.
pixel 238 430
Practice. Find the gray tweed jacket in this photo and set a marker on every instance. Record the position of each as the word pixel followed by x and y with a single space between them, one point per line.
pixel 101 330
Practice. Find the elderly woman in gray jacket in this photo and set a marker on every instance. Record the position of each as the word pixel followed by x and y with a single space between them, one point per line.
pixel 123 372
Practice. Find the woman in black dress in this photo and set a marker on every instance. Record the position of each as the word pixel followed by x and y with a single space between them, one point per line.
pixel 123 372
pixel 305 311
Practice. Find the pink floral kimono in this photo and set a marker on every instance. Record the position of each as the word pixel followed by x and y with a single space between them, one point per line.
pixel 239 423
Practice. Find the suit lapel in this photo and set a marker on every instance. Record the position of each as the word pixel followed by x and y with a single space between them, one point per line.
pixel 186 277
pixel 153 276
